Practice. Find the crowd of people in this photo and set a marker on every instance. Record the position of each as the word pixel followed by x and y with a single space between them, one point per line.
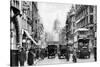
pixel 32 54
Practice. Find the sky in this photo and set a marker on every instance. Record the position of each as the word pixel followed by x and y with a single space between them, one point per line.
pixel 51 11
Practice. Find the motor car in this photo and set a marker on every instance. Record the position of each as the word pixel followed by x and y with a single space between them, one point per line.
pixel 62 51
pixel 52 51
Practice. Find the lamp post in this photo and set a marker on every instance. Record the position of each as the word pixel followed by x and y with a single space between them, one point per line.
pixel 24 43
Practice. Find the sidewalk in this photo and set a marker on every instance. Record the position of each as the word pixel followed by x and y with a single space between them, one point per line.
pixel 35 62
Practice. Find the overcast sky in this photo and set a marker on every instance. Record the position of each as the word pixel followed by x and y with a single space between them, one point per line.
pixel 51 11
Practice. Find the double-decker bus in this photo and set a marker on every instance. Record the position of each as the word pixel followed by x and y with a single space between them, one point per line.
pixel 81 42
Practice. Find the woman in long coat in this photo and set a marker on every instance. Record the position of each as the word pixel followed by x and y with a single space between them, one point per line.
pixel 30 57
pixel 95 53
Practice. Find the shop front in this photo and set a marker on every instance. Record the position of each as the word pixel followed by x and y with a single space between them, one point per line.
pixel 14 35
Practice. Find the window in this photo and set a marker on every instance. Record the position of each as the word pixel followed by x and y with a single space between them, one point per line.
pixel 91 28
pixel 91 19
pixel 95 28
pixel 83 23
pixel 77 25
pixel 91 9
pixel 86 20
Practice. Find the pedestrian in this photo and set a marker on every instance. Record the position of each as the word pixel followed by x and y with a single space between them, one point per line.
pixel 74 56
pixel 42 54
pixel 31 57
pixel 67 54
pixel 95 53
pixel 22 56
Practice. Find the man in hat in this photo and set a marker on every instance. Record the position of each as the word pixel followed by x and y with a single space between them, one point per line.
pixel 22 56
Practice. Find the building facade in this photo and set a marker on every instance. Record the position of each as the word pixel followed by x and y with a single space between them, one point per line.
pixel 62 36
pixel 85 17
pixel 15 30
pixel 24 24
pixel 70 25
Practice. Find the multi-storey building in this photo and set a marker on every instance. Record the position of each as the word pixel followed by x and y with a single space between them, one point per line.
pixel 37 26
pixel 85 16
pixel 26 8
pixel 70 25
pixel 15 20
pixel 25 26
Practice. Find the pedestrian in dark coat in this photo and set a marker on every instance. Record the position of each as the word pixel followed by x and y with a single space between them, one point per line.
pixel 42 54
pixel 30 57
pixel 22 57
pixel 67 54
pixel 74 56
pixel 95 53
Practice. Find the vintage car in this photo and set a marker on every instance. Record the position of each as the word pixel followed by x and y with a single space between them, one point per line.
pixel 52 51
pixel 63 52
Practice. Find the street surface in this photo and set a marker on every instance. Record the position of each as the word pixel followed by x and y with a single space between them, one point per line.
pixel 55 60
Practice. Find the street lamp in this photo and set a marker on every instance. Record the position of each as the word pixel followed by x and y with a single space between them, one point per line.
pixel 24 41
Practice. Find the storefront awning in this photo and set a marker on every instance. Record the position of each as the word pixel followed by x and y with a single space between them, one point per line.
pixel 79 19
pixel 81 29
pixel 15 10
pixel 30 37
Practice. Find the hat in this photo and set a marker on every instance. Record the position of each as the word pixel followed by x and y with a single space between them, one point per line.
pixel 19 46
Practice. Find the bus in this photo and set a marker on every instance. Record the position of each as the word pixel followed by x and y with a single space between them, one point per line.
pixel 82 43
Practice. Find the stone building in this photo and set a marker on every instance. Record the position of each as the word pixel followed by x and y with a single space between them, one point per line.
pixel 70 25
pixel 85 17
pixel 15 30
pixel 24 26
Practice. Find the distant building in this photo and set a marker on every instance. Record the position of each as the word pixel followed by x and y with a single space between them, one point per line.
pixel 62 36
pixel 56 27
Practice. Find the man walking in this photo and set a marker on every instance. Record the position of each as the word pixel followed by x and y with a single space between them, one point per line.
pixel 95 53
pixel 31 56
